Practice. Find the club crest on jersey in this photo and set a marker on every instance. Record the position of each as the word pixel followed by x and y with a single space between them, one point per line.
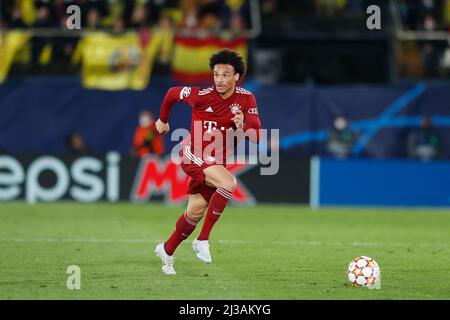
pixel 185 92
pixel 235 108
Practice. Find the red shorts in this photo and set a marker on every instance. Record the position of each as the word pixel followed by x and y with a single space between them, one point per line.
pixel 193 166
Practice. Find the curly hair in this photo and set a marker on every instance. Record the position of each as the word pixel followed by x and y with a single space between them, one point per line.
pixel 228 56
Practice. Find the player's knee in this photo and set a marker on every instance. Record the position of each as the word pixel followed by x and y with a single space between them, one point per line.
pixel 229 183
pixel 195 214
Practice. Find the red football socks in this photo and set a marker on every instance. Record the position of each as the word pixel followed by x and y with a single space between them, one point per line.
pixel 183 229
pixel 185 226
pixel 217 204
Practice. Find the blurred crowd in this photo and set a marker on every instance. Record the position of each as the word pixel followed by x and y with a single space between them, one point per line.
pixel 425 58
pixel 425 15
pixel 428 15
pixel 119 15
pixel 415 59
pixel 315 15
pixel 51 40
pixel 217 14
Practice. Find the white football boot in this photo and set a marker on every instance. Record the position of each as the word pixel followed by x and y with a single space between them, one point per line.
pixel 167 260
pixel 201 248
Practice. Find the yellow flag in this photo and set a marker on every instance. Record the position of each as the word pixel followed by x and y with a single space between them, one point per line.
pixel 116 62
pixel 10 43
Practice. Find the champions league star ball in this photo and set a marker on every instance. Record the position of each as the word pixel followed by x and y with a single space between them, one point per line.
pixel 364 272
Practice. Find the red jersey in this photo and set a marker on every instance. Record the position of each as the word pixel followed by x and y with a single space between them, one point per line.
pixel 213 114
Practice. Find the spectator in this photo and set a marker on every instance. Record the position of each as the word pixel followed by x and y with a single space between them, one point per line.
pixel 340 138
pixel 16 19
pixel 40 44
pixel 75 145
pixel 209 15
pixel 93 20
pixel 116 12
pixel 45 15
pixel 146 138
pixel 431 57
pixel 60 8
pixel 118 25
pixel 139 17
pixel 163 60
pixel 424 143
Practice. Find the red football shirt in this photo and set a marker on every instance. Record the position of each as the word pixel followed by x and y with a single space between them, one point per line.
pixel 155 141
pixel 213 115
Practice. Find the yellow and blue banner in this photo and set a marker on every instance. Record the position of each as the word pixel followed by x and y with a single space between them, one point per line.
pixel 117 62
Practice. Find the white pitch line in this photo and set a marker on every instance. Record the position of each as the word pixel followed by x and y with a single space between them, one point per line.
pixel 235 242
pixel 85 240
pixel 340 244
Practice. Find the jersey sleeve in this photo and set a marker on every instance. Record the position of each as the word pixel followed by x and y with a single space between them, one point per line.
pixel 177 94
pixel 251 118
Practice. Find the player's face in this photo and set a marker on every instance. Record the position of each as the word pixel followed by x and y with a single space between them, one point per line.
pixel 225 77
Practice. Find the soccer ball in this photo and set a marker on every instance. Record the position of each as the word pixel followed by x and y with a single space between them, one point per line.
pixel 364 272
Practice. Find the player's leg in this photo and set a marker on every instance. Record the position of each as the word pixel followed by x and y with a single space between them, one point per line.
pixel 196 206
pixel 201 248
pixel 225 183
pixel 184 226
pixel 186 222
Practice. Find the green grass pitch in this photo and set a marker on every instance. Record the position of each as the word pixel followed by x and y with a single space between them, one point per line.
pixel 263 252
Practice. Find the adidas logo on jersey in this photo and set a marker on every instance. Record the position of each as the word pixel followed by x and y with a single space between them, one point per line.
pixel 242 91
pixel 205 91
pixel 209 109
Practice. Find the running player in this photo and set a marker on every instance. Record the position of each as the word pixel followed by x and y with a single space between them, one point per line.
pixel 215 111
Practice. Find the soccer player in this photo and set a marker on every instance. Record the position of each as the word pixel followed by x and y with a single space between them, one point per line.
pixel 215 110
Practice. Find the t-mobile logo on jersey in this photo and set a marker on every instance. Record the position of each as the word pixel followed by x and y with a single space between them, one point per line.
pixel 209 125
pixel 212 125
pixel 229 146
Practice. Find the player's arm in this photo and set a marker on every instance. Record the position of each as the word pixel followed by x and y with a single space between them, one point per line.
pixel 252 122
pixel 174 94
pixel 249 120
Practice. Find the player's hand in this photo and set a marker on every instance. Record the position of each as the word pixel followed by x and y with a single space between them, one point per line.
pixel 162 127
pixel 238 120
